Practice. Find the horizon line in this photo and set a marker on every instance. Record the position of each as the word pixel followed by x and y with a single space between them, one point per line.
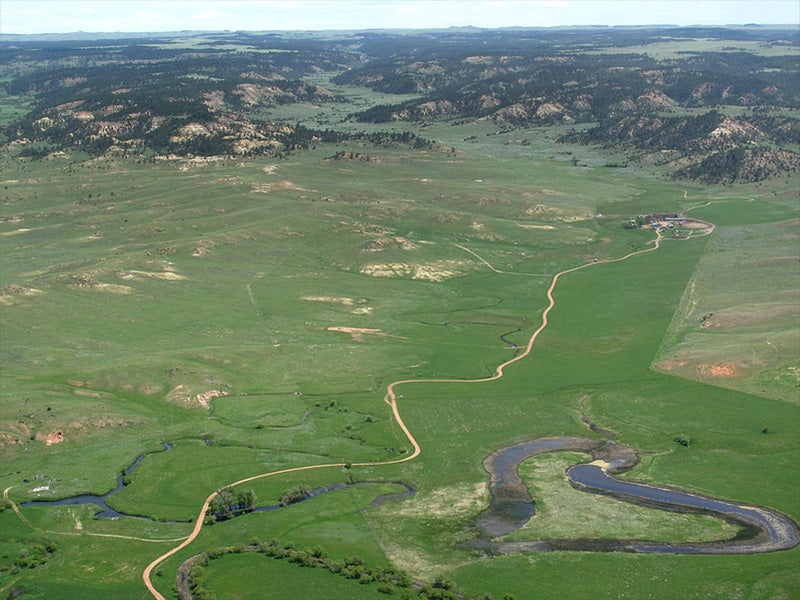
pixel 446 28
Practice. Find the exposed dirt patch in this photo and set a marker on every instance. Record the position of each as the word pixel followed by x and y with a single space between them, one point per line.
pixel 52 438
pixel 166 275
pixel 526 226
pixel 718 370
pixel 205 398
pixel 434 271
pixel 405 244
pixel 86 281
pixel 181 394
pixel 15 232
pixel 359 306
pixel 358 333
pixel 382 243
pixel 671 364
pixel 331 299
pixel 12 293
pixel 699 225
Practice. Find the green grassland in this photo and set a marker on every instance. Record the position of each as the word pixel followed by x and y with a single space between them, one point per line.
pixel 546 477
pixel 252 312
pixel 665 48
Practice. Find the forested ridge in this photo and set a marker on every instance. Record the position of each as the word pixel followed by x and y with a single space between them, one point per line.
pixel 728 113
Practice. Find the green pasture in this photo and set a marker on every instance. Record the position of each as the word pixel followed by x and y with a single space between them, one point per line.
pixel 252 312
pixel 234 575
pixel 564 512
pixel 667 49
pixel 744 320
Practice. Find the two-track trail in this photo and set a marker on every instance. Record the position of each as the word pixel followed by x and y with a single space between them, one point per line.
pixel 391 399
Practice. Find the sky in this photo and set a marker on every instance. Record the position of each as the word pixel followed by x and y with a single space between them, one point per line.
pixel 64 16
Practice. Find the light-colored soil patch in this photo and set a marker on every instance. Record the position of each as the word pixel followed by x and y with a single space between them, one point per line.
pixel 671 365
pixel 49 439
pixel 197 161
pixel 545 212
pixel 12 294
pixel 360 307
pixel 182 394
pixel 204 399
pixel 166 275
pixel 15 232
pixel 358 333
pixel 330 299
pixel 283 184
pixel 433 271
pixel 86 281
pixel 718 370
pixel 699 225
pixel 527 226
pixel 405 244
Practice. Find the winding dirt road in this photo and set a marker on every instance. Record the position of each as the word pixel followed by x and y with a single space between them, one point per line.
pixel 391 399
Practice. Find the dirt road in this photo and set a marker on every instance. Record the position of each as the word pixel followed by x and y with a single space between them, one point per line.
pixel 391 399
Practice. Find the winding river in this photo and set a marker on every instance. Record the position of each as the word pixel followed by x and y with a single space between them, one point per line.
pixel 511 505
pixel 105 510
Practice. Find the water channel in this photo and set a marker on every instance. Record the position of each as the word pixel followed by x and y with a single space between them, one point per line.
pixel 511 505
pixel 106 512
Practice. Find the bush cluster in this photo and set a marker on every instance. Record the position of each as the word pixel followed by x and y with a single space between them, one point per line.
pixel 389 579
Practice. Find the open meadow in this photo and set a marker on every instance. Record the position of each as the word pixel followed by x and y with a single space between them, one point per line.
pixel 251 312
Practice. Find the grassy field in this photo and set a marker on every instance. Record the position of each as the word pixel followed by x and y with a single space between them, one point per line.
pixel 252 313
pixel 599 517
